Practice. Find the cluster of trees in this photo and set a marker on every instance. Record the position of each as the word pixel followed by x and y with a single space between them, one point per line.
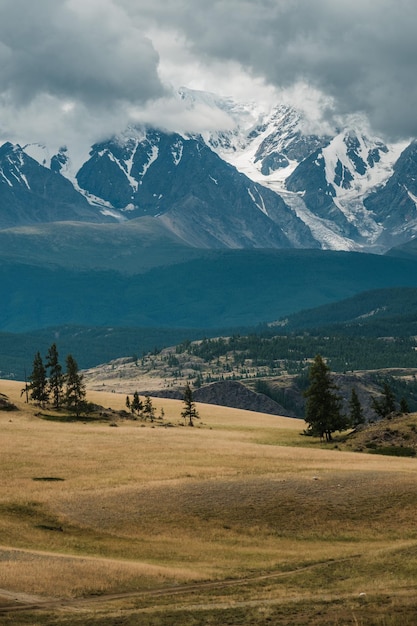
pixel 323 411
pixel 145 409
pixel 49 383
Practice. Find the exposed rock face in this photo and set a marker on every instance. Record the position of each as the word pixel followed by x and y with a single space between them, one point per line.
pixel 228 393
pixel 234 394
pixel 395 204
pixel 31 193
pixel 196 194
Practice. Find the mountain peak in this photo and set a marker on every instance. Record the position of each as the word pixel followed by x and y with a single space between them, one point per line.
pixel 261 180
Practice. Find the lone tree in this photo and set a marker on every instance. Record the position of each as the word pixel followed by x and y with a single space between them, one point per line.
pixel 75 388
pixel 356 416
pixel 38 382
pixel 323 405
pixel 56 376
pixel 190 411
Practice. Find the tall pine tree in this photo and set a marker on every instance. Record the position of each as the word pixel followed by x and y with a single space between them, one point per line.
pixel 148 410
pixel 190 411
pixel 56 376
pixel 356 416
pixel 74 387
pixel 38 381
pixel 384 406
pixel 323 405
pixel 136 404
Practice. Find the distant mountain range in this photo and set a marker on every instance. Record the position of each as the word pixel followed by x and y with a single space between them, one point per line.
pixel 226 229
pixel 264 184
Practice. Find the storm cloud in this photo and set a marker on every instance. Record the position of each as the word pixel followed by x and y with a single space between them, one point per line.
pixel 88 51
pixel 362 54
pixel 101 63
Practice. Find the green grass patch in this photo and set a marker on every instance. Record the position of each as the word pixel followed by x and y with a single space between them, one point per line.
pixel 392 450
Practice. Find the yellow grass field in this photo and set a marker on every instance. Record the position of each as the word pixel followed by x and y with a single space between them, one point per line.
pixel 240 520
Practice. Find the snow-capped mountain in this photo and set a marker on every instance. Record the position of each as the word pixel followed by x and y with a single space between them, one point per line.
pixel 32 193
pixel 335 184
pixel 263 182
pixel 197 195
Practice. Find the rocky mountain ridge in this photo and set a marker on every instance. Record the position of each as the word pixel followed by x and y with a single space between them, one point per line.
pixel 266 182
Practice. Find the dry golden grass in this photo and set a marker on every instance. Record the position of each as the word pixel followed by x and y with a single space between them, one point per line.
pixel 89 509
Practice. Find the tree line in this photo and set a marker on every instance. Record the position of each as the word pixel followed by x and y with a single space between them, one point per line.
pixel 49 383
pixel 343 353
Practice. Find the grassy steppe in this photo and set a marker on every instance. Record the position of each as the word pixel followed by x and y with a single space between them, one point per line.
pixel 239 520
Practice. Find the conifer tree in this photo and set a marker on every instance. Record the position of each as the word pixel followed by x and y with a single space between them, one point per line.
pixel 75 388
pixel 356 413
pixel 38 381
pixel 148 410
pixel 386 405
pixel 323 405
pixel 404 408
pixel 136 405
pixel 56 376
pixel 190 411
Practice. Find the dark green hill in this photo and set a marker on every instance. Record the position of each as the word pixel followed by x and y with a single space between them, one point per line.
pixel 223 289
pixel 377 313
pixel 101 315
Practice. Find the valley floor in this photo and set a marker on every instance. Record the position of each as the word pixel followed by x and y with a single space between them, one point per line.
pixel 240 520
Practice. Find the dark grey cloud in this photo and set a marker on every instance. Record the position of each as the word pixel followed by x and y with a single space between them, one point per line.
pixel 93 54
pixel 102 57
pixel 361 53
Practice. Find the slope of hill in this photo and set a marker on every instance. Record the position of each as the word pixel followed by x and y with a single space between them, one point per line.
pixel 376 313
pixel 393 436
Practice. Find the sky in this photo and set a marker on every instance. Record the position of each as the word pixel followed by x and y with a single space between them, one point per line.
pixel 85 69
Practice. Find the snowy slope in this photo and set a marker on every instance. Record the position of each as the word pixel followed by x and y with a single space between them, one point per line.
pixel 348 191
pixel 269 147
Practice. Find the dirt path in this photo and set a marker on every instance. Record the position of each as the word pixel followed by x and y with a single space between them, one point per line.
pixel 26 602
